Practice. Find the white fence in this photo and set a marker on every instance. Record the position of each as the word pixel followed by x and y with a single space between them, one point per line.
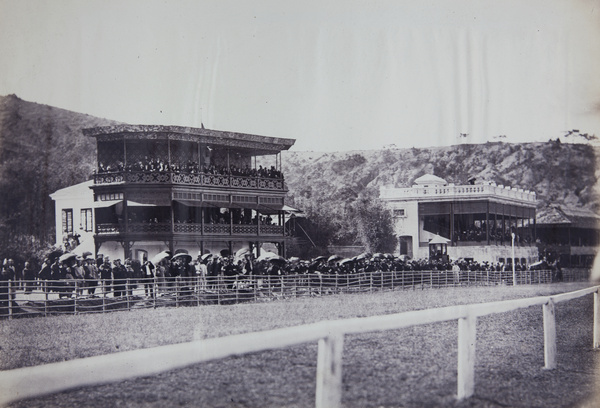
pixel 42 298
pixel 36 381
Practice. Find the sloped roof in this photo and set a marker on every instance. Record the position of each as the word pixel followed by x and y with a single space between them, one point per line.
pixel 430 179
pixel 438 239
pixel 568 216
pixel 260 144
pixel 76 190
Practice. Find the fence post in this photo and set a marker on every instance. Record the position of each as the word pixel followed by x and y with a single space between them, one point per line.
pixel 154 290
pixel 198 290
pixel 549 335
pixel 597 319
pixel 466 356
pixel 127 286
pixel 46 289
pixel 76 297
pixel 10 300
pixel 103 295
pixel 329 371
pixel 177 291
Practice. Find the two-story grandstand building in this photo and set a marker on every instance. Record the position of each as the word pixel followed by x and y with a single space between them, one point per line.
pixel 162 188
pixel 471 221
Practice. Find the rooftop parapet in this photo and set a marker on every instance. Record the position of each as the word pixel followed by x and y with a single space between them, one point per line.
pixel 447 192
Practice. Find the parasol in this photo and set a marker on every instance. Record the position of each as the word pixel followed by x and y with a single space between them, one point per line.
pixel 160 257
pixel 334 258
pixel 66 257
pixel 184 256
pixel 267 256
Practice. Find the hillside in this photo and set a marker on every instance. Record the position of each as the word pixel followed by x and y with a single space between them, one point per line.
pixel 338 189
pixel 42 149
pixel 557 172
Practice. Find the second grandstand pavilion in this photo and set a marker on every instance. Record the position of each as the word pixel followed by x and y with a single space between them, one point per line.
pixel 478 221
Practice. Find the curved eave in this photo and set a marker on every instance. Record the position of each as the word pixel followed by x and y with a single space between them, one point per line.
pixel 259 144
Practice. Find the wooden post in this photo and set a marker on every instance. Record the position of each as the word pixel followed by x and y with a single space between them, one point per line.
pixel 127 286
pixel 329 371
pixel 466 356
pixel 103 295
pixel 46 289
pixel 549 335
pixel 198 290
pixel 76 297
pixel 10 310
pixel 596 320
pixel 177 291
pixel 154 290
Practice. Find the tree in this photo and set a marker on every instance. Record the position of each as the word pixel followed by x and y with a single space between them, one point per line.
pixel 375 228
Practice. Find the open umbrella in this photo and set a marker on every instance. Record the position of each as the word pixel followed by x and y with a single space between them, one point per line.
pixel 362 256
pixel 160 257
pixel 334 258
pixel 67 256
pixel 345 261
pixel 241 252
pixel 266 256
pixel 181 255
pixel 277 259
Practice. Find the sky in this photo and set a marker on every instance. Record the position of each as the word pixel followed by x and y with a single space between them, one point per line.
pixel 335 75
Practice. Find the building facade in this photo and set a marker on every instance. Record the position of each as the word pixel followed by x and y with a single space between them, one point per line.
pixel 569 235
pixel 174 188
pixel 477 221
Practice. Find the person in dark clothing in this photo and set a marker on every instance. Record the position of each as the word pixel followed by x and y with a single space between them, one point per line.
pixel 28 277
pixel 106 275
pixel 148 270
pixel 230 272
pixel 119 276
pixel 91 275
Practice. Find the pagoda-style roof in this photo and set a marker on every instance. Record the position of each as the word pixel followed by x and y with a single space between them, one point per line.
pixel 258 145
pixel 568 216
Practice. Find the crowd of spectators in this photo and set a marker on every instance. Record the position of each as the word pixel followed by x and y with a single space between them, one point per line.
pixel 70 275
pixel 189 167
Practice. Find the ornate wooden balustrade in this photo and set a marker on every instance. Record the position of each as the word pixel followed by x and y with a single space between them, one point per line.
pixel 194 179
pixel 190 228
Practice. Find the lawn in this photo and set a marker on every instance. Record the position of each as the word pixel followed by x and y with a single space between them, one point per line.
pixel 409 367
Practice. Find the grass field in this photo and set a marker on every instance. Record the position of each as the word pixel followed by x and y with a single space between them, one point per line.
pixel 410 367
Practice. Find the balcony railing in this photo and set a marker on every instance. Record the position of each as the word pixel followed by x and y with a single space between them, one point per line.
pixel 479 190
pixel 194 179
pixel 189 228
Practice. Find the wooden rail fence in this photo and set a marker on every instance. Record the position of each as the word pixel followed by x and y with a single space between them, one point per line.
pixel 40 380
pixel 53 297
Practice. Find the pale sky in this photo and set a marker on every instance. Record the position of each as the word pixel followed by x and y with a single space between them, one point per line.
pixel 334 75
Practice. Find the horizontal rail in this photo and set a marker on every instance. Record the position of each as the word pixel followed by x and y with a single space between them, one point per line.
pixel 48 297
pixel 35 381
